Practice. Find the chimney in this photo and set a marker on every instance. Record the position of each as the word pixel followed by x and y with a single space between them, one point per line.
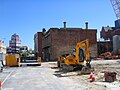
pixel 64 25
pixel 43 31
pixel 86 25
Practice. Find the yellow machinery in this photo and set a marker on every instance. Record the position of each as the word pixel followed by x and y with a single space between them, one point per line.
pixel 12 60
pixel 77 60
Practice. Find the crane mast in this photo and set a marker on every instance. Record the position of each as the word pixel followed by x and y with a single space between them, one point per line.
pixel 116 7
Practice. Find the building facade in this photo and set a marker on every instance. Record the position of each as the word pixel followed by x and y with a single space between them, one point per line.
pixel 58 41
pixel 117 23
pixel 104 46
pixel 108 32
pixel 38 44
pixel 2 47
pixel 23 48
pixel 15 43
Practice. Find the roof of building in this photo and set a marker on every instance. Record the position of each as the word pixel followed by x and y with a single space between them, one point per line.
pixel 15 36
pixel 108 28
pixel 67 29
pixel 102 40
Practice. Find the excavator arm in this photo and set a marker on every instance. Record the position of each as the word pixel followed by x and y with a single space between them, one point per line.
pixel 79 47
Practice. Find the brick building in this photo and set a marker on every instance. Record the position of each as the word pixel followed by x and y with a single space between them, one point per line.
pixel 104 46
pixel 108 32
pixel 58 41
pixel 38 44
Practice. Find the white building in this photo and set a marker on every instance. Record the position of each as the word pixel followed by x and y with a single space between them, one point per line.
pixel 2 47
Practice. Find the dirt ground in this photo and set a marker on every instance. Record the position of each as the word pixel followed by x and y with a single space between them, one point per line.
pixel 100 66
pixel 49 77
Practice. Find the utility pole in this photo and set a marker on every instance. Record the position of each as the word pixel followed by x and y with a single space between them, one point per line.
pixel 15 44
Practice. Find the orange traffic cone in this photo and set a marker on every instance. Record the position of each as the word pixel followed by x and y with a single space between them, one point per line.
pixel 0 85
pixel 93 77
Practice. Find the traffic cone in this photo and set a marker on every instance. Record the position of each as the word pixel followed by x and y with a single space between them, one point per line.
pixel 91 74
pixel 0 85
pixel 93 77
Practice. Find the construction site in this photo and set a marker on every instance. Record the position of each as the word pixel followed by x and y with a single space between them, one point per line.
pixel 65 58
pixel 49 77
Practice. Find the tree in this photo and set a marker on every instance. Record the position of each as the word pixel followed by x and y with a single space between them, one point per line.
pixel 24 53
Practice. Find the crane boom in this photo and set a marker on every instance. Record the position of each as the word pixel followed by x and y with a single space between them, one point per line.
pixel 116 7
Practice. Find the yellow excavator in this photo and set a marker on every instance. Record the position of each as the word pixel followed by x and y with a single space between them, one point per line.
pixel 77 59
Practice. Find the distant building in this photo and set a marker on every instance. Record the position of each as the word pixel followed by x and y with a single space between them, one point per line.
pixel 2 47
pixel 117 24
pixel 15 43
pixel 107 33
pixel 104 46
pixel 8 50
pixel 38 44
pixel 23 48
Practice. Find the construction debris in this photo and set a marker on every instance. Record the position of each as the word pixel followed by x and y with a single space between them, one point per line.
pixel 110 76
pixel 108 55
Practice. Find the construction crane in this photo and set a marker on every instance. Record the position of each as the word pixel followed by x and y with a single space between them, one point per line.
pixel 116 7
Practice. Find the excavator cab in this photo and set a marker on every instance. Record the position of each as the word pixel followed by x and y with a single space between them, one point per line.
pixel 81 55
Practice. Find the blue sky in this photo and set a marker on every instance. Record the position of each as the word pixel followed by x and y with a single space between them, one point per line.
pixel 26 17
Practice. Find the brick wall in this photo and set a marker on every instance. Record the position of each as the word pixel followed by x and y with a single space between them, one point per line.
pixel 40 44
pixel 63 41
pixel 109 33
